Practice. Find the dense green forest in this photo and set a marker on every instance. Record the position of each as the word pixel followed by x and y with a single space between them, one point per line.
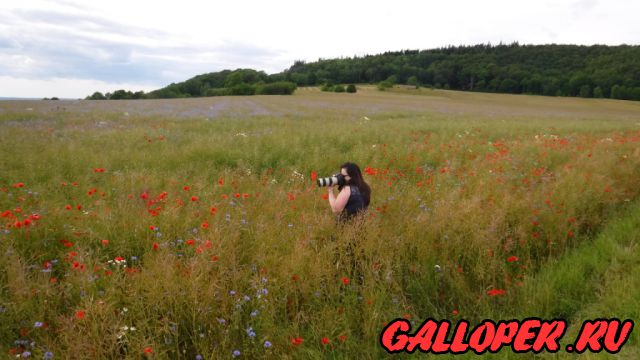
pixel 556 70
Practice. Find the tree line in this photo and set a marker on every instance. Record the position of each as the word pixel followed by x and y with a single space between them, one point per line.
pixel 226 82
pixel 556 70
pixel 597 71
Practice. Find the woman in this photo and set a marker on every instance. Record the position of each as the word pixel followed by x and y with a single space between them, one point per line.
pixel 354 195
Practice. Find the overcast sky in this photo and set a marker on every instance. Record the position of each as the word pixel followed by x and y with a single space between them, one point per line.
pixel 70 48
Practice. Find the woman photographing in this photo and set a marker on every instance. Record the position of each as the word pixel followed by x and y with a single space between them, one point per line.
pixel 354 193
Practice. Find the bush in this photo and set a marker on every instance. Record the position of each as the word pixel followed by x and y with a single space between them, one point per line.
pixel 327 87
pixel 351 88
pixel 277 88
pixel 597 92
pixel 243 89
pixel 218 92
pixel 383 85
pixel 338 88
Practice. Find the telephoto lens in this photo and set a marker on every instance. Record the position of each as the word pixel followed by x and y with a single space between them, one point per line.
pixel 337 179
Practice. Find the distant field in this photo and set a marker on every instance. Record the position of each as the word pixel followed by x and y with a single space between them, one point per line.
pixel 186 227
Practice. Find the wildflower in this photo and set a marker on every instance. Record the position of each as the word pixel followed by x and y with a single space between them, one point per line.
pixel 221 181
pixel 148 350
pixel 267 344
pixel 342 338
pixel 455 312
pixel 325 340
pixel 144 196
pixel 213 210
pixel 186 188
pixel 235 353
pixel 496 292
pixel 48 355
pixel 105 242
pixel 512 259
pixel 314 175
pixel 37 324
pixel 26 354
pixel 296 341
pixel 199 357
pixel 345 280
pixel 155 246
pixel 254 313
pixel 295 278
pixel 79 314
pixel 205 225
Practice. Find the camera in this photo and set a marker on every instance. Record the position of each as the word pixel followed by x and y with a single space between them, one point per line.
pixel 337 179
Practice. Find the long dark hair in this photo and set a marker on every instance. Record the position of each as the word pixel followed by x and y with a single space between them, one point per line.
pixel 356 179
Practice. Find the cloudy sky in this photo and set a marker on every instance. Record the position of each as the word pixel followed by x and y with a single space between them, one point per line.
pixel 70 48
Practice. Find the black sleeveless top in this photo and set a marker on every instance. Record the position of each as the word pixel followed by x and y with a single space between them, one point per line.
pixel 355 204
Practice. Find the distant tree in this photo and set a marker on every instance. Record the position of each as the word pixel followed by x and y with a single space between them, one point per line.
pixel 616 92
pixel 338 88
pixel 597 92
pixel 351 88
pixel 54 98
pixel 97 96
pixel 585 91
pixel 276 88
pixel 413 81
pixel 383 85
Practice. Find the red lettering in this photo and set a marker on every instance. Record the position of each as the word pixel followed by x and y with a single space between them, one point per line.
pixel 424 337
pixel 549 335
pixel 457 345
pixel 590 336
pixel 610 343
pixel 391 340
pixel 502 338
pixel 524 334
pixel 482 337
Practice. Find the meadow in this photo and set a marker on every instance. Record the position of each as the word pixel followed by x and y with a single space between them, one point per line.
pixel 193 228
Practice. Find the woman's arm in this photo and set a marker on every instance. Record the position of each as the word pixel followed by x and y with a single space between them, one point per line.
pixel 338 204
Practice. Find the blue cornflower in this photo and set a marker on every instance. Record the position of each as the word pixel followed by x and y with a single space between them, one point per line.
pixel 267 344
pixel 236 353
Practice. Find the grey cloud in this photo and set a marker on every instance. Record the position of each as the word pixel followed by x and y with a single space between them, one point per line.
pixel 86 46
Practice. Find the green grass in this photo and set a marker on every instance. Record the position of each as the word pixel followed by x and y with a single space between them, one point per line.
pixel 464 181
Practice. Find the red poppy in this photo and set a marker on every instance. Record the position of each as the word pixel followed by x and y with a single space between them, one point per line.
pixel 296 341
pixel 314 175
pixel 186 188
pixel 342 338
pixel 118 258
pixel 325 340
pixel 205 225
pixel 214 258
pixel 194 198
pixel 455 312
pixel 213 209
pixel 148 350
pixel 18 185
pixel 291 197
pixel 325 196
pixel 237 195
pixel 79 314
pixel 221 181
pixel 190 242
pixel 295 278
pixel 155 246
pixel 512 259
pixel 98 170
pixel 345 280
pixel 570 234
pixel 105 242
pixel 246 196
pixel 496 292
pixel 144 196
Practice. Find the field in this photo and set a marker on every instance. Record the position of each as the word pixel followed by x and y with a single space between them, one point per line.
pixel 192 228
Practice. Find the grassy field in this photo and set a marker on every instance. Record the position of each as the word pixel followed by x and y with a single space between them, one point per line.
pixel 192 228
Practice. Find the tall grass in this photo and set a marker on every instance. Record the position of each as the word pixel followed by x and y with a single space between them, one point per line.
pixel 227 244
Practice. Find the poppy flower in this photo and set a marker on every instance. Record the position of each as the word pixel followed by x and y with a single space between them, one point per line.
pixel 79 314
pixel 296 341
pixel 342 338
pixel 105 242
pixel 18 185
pixel 314 176
pixel 246 196
pixel 295 278
pixel 190 242
pixel 155 246
pixel 186 188
pixel 512 259
pixel 205 225
pixel 148 350
pixel 496 292
pixel 194 198
pixel 213 210
pixel 221 181
pixel 325 340
pixel 144 196
pixel 345 280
